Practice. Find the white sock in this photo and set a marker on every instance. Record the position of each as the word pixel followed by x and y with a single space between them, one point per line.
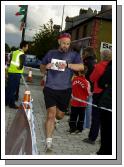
pixel 48 139
pixel 57 120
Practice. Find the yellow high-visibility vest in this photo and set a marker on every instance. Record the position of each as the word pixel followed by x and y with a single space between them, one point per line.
pixel 15 62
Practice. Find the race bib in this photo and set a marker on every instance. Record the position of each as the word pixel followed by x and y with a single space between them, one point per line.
pixel 57 64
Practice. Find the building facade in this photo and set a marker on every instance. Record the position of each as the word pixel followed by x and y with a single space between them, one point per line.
pixel 92 30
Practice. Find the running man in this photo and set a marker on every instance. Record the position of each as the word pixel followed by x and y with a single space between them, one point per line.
pixel 59 64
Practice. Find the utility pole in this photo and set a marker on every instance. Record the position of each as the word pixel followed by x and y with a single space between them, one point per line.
pixel 25 19
pixel 62 17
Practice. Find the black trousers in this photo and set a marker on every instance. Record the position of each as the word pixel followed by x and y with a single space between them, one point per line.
pixel 11 89
pixel 106 133
pixel 77 118
pixel 95 122
pixel 17 92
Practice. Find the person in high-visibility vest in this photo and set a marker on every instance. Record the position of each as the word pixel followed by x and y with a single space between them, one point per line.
pixel 15 71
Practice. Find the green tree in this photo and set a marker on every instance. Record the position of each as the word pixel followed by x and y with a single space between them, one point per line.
pixel 13 48
pixel 7 48
pixel 45 39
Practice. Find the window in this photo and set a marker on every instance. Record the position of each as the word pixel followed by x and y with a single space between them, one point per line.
pixel 77 33
pixel 85 31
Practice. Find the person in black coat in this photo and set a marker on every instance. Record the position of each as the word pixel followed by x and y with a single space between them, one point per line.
pixel 105 82
pixel 89 60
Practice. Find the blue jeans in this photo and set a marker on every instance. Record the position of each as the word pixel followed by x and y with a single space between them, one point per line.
pixel 12 86
pixel 88 110
pixel 95 123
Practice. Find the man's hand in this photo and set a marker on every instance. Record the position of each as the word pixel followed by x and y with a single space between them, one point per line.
pixel 62 65
pixel 49 65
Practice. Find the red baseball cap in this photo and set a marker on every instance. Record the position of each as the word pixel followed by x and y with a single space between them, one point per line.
pixel 64 35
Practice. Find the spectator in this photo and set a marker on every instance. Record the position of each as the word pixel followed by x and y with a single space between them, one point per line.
pixel 105 82
pixel 97 92
pixel 89 59
pixel 80 91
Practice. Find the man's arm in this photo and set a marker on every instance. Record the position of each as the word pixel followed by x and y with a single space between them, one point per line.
pixel 77 63
pixel 76 67
pixel 45 63
pixel 22 59
pixel 44 67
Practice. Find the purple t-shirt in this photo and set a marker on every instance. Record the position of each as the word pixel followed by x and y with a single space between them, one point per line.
pixel 60 80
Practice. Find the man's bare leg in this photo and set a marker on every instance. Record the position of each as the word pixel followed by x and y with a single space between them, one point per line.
pixel 52 113
pixel 49 126
pixel 59 114
pixel 50 121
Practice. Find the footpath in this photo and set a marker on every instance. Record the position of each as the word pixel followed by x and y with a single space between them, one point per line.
pixel 63 142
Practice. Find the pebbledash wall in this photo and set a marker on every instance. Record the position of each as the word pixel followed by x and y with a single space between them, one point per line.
pixel 98 28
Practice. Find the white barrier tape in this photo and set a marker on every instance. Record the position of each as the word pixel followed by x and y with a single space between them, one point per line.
pixel 34 144
pixel 36 69
pixel 26 85
pixel 77 99
pixel 30 117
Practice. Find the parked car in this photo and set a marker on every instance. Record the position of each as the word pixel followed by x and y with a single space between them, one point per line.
pixel 32 61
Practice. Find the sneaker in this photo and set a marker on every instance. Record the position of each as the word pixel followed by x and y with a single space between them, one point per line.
pixel 78 132
pixel 71 131
pixel 48 145
pixel 87 140
pixel 56 123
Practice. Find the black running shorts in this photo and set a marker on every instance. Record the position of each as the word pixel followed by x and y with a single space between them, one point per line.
pixel 58 98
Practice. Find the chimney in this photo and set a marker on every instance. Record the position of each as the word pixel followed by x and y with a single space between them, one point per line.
pixel 105 7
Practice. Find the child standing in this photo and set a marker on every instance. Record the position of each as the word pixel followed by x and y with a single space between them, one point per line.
pixel 80 93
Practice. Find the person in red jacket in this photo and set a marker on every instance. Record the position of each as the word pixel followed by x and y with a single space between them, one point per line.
pixel 97 93
pixel 80 93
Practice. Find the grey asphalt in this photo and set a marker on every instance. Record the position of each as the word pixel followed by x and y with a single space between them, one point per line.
pixel 63 142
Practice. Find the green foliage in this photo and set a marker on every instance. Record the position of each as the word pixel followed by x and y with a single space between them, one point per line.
pixel 13 48
pixel 44 40
pixel 7 48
